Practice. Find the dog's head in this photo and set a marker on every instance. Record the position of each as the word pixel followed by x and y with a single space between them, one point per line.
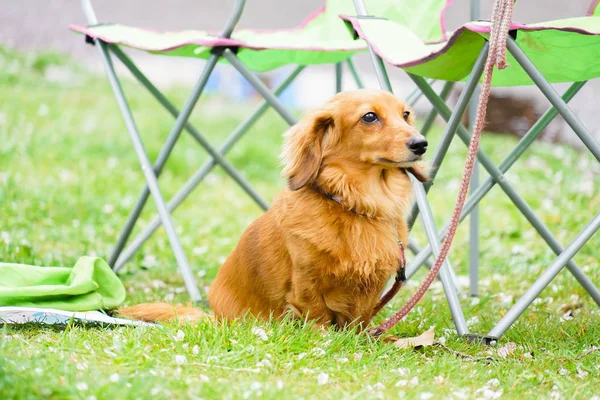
pixel 363 126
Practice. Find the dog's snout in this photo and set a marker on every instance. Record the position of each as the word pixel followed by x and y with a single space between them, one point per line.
pixel 417 145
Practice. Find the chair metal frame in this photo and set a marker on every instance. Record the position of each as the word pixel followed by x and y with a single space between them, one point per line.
pixel 497 173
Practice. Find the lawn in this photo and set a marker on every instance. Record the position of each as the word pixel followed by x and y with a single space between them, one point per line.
pixel 68 178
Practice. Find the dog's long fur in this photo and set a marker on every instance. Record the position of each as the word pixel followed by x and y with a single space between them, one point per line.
pixel 328 245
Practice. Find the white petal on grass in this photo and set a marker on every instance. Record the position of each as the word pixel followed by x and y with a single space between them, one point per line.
pixel 180 359
pixel 494 382
pixel 507 349
pixel 267 363
pixel 115 378
pixel 110 353
pixel 279 384
pixel 82 386
pixel 581 373
pixel 260 332
pixel 472 321
pixel 203 378
pixel 318 352
pixel 426 395
pixel 492 394
pixel 195 350
pixel 81 366
pixel 323 378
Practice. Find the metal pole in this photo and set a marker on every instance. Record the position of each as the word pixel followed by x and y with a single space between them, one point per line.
pixel 590 142
pixel 445 277
pixel 199 175
pixel 412 246
pixel 235 18
pixel 446 90
pixel 338 77
pixel 547 276
pixel 474 218
pixel 259 86
pixel 354 73
pixel 416 94
pixel 382 76
pixel 474 222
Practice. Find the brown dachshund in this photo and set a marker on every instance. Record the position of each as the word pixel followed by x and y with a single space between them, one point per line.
pixel 329 243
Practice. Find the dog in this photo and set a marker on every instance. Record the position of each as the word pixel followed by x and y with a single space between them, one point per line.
pixel 329 244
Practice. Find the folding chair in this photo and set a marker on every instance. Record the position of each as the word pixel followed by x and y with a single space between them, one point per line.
pixel 540 54
pixel 322 38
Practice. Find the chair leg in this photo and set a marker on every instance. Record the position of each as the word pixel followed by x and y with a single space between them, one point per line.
pixel 544 280
pixel 519 202
pixel 446 90
pixel 445 271
pixel 474 217
pixel 339 75
pixel 415 249
pixel 504 166
pixel 354 73
pixel 260 87
pixel 182 262
pixel 201 173
pixel 163 155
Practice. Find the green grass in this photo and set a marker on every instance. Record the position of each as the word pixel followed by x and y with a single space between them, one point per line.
pixel 68 177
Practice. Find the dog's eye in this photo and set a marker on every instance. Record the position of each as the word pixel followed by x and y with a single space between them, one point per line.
pixel 369 118
pixel 406 115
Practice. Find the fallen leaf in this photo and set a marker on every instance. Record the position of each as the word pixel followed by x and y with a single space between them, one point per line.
pixel 425 339
pixel 565 308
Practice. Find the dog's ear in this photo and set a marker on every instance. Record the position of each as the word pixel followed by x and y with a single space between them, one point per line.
pixel 303 151
pixel 421 171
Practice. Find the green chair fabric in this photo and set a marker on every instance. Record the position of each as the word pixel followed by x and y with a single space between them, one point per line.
pixel 566 50
pixel 89 285
pixel 321 39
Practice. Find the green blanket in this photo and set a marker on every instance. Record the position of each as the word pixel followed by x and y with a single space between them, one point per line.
pixel 89 285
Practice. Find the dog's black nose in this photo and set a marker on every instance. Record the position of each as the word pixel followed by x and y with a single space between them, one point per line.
pixel 417 145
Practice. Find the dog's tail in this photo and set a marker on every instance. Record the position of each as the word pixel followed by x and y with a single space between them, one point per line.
pixel 162 312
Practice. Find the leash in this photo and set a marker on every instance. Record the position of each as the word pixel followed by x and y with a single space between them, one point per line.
pixel 500 26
